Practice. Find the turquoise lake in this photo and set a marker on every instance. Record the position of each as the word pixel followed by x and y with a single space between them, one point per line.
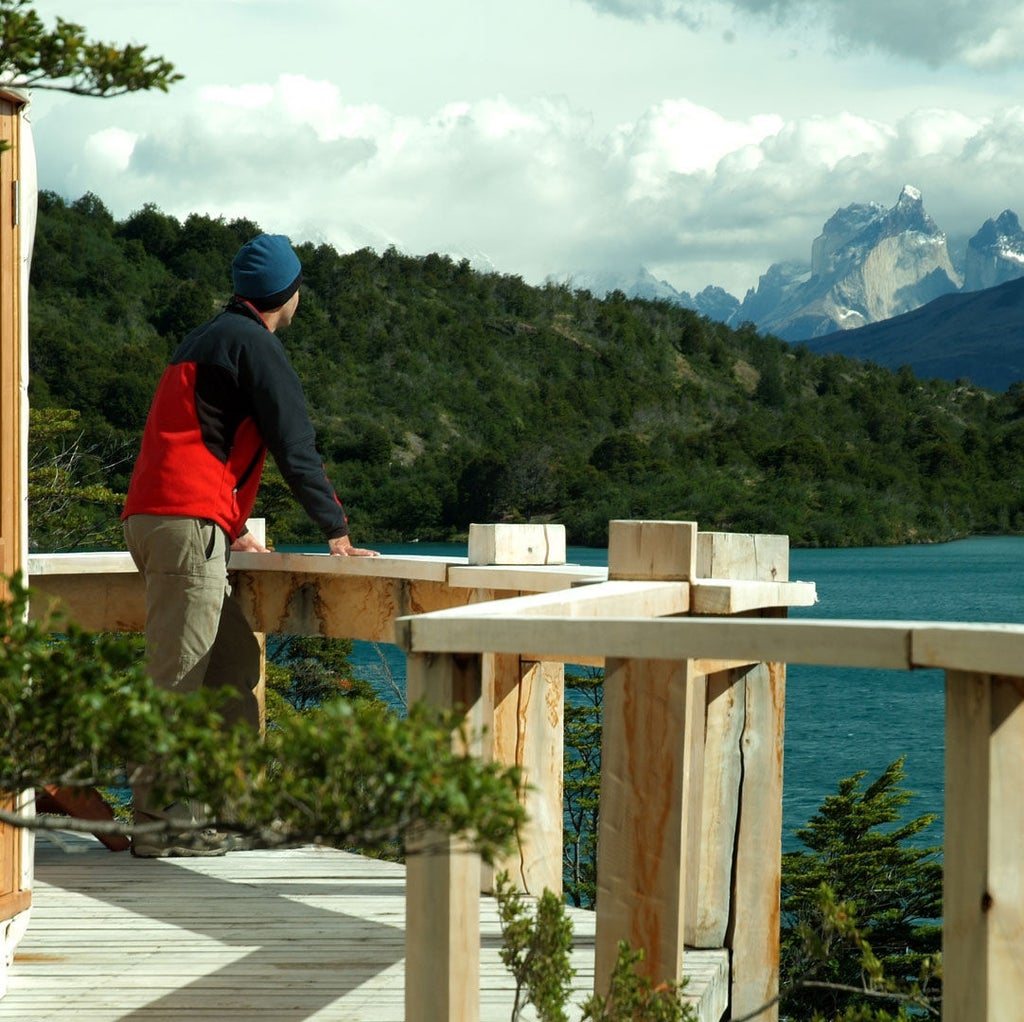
pixel 840 721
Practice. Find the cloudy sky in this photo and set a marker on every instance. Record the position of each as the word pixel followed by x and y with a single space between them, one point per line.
pixel 703 139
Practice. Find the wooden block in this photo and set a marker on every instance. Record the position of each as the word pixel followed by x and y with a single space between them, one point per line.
pixel 517 544
pixel 743 556
pixel 652 550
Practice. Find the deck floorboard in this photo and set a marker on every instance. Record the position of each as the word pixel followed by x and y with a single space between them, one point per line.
pixel 298 935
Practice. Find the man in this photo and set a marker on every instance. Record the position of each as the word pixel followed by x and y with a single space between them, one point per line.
pixel 228 397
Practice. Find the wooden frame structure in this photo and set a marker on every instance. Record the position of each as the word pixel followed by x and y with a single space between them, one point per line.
pixel 691 628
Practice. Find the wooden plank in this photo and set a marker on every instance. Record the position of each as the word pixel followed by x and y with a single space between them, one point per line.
pixel 605 599
pixel 104 562
pixel 417 568
pixel 652 550
pixel 983 899
pixel 412 568
pixel 516 544
pixel 525 578
pixel 527 732
pixel 306 933
pixel 718 596
pixel 711 841
pixel 754 926
pixel 442 876
pixel 641 878
pixel 742 556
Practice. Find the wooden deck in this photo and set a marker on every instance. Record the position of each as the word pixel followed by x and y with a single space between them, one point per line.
pixel 261 936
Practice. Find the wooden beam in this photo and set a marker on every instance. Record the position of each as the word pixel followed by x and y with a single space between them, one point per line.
pixel 732 596
pixel 838 643
pixel 603 599
pixel 524 578
pixel 982 648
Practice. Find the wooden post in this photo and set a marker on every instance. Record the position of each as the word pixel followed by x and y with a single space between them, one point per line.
pixel 524 717
pixel 651 772
pixel 442 928
pixel 645 773
pixel 983 899
pixel 733 898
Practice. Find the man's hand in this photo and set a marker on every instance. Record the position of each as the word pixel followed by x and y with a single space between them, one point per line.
pixel 250 544
pixel 342 547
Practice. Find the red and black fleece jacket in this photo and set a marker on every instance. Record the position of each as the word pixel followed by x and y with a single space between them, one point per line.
pixel 228 397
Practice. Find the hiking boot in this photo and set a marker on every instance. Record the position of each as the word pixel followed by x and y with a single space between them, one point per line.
pixel 188 844
pixel 178 844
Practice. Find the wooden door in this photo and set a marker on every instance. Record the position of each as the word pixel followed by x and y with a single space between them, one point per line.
pixel 13 898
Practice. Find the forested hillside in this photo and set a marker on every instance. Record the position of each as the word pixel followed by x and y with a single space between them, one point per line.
pixel 444 396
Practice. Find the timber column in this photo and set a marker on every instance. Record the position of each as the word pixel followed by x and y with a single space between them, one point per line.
pixel 651 771
pixel 690 831
pixel 524 715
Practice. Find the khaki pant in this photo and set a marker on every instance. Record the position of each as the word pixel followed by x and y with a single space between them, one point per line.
pixel 196 633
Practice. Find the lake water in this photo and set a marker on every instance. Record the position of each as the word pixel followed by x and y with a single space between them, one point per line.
pixel 840 721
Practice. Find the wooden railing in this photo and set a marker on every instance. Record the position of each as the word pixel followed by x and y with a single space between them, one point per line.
pixel 691 630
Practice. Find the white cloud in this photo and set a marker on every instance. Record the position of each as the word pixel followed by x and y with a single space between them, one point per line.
pixel 702 138
pixel 700 197
pixel 110 150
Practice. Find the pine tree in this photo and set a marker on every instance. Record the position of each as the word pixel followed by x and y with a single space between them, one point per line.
pixel 862 905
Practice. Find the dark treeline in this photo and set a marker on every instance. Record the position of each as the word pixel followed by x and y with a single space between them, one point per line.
pixel 444 396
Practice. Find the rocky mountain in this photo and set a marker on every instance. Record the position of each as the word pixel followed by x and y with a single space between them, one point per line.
pixel 871 270
pixel 640 283
pixel 975 335
pixel 713 301
pixel 996 253
pixel 868 264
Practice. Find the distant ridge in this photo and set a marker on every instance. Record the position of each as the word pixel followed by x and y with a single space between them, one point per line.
pixel 871 271
pixel 977 335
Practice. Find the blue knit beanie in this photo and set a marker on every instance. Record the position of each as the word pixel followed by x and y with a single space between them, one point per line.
pixel 266 271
